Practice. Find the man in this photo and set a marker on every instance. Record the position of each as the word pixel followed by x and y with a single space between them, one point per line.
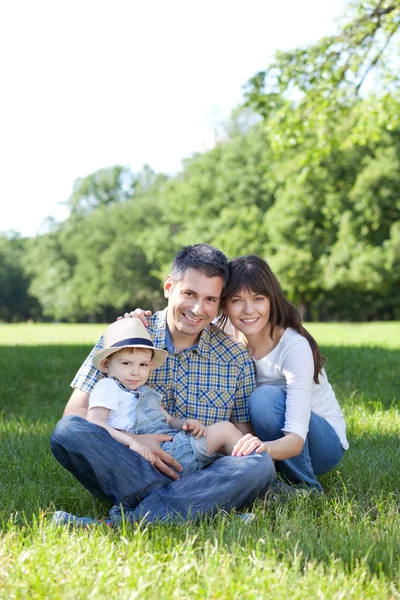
pixel 206 376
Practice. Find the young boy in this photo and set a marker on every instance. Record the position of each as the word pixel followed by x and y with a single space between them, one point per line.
pixel 122 402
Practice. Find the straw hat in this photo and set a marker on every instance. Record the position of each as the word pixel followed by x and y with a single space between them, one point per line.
pixel 128 333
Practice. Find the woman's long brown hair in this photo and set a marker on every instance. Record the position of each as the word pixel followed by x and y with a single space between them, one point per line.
pixel 253 274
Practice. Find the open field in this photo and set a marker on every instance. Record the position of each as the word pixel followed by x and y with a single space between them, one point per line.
pixel 343 545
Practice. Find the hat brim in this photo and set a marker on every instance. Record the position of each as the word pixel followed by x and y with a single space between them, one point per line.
pixel 159 356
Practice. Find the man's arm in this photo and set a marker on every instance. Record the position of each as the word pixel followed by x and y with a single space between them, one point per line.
pixel 163 461
pixel 77 404
pixel 83 384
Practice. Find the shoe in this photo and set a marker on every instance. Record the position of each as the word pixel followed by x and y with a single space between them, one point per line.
pixel 243 517
pixel 63 518
pixel 283 491
pixel 246 517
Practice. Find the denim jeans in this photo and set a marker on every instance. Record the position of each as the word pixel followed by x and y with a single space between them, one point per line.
pixel 322 449
pixel 111 470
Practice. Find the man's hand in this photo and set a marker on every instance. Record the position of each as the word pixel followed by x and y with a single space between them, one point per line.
pixel 162 460
pixel 195 427
pixel 138 313
pixel 247 444
pixel 143 451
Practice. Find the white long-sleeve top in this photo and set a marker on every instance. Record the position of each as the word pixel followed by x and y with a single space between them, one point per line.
pixel 290 367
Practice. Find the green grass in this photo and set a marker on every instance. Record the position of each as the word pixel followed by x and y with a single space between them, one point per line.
pixel 344 545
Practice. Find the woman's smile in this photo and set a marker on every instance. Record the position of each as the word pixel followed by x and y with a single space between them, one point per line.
pixel 248 312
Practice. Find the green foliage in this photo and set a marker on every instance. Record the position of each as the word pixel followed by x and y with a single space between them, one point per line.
pixel 15 301
pixel 105 187
pixel 93 266
pixel 50 270
pixel 315 87
pixel 330 230
pixel 307 178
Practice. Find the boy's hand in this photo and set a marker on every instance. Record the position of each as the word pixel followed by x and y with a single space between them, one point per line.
pixel 195 427
pixel 143 451
pixel 247 444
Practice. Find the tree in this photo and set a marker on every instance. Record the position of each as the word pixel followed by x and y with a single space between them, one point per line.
pixel 313 88
pixel 102 188
pixel 50 268
pixel 15 301
pixel 308 180
pixel 93 265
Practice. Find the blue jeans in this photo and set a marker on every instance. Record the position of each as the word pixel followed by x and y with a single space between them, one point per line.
pixel 322 449
pixel 111 470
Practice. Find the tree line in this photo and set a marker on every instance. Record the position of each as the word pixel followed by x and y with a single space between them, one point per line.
pixel 306 175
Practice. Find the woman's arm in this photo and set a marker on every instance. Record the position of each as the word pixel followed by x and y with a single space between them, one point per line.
pixel 286 447
pixel 297 367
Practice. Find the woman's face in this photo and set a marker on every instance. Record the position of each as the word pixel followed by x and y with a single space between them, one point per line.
pixel 248 312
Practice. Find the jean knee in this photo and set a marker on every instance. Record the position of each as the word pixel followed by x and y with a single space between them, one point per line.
pixel 67 428
pixel 269 402
pixel 267 411
pixel 264 469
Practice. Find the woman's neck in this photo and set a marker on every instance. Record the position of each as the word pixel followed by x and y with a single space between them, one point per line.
pixel 261 344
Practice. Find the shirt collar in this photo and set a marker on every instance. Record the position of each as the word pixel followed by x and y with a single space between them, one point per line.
pixel 123 387
pixel 163 337
pixel 203 345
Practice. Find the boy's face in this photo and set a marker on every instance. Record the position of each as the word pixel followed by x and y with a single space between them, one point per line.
pixel 193 303
pixel 130 368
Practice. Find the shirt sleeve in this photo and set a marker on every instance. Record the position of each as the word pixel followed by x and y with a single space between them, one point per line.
pixel 246 384
pixel 298 369
pixel 104 394
pixel 88 375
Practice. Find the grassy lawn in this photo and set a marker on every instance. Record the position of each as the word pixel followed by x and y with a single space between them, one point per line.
pixel 343 545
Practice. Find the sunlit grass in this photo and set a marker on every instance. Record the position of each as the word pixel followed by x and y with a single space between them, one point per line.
pixel 345 544
pixel 213 560
pixel 35 334
pixel 385 334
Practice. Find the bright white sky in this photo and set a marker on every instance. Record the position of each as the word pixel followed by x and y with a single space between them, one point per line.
pixel 92 83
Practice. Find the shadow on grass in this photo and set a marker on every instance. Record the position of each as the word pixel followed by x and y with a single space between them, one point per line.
pixel 35 388
pixel 36 379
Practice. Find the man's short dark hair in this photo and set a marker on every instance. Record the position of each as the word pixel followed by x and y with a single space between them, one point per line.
pixel 203 257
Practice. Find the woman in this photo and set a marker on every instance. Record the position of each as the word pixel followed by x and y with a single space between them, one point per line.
pixel 294 411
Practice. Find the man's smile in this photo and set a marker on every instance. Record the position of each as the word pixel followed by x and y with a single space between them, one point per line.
pixel 193 320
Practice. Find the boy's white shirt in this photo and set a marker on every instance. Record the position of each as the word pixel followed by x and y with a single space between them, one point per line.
pixel 121 403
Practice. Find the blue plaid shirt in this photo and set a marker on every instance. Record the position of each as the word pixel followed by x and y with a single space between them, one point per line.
pixel 211 381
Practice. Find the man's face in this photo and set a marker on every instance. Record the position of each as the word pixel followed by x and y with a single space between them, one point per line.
pixel 193 303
